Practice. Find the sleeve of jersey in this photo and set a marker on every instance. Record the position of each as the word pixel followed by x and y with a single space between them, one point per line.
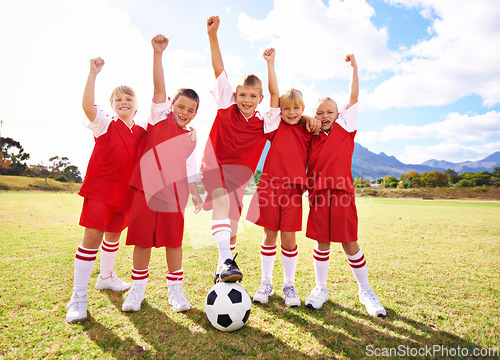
pixel 223 92
pixel 101 122
pixel 193 172
pixel 159 112
pixel 272 120
pixel 348 118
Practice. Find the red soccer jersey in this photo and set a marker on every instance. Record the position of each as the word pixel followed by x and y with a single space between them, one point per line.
pixel 161 171
pixel 112 160
pixel 330 155
pixel 234 139
pixel 286 160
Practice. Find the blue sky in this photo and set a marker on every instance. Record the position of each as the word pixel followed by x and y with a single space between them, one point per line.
pixel 429 74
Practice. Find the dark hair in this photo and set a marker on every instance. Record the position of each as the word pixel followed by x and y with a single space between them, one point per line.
pixel 189 93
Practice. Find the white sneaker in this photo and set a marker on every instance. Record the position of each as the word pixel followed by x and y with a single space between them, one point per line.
pixel 77 308
pixel 177 298
pixel 291 298
pixel 111 283
pixel 318 297
pixel 135 296
pixel 371 302
pixel 265 291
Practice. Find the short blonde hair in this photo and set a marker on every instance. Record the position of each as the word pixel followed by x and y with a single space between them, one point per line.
pixel 326 98
pixel 250 80
pixel 123 89
pixel 291 97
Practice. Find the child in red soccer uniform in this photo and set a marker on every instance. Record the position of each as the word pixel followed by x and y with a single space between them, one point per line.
pixel 162 181
pixel 105 211
pixel 333 216
pixel 231 155
pixel 277 203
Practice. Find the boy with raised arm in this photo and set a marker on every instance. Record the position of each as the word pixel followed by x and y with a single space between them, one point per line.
pixel 333 216
pixel 232 153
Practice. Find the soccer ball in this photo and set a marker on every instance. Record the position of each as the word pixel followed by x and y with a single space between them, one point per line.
pixel 227 306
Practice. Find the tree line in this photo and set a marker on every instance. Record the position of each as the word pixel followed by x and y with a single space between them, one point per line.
pixel 435 179
pixel 13 161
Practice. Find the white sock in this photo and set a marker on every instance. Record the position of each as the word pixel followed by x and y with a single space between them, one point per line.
pixel 321 261
pixel 109 251
pixel 289 258
pixel 140 277
pixel 267 257
pixel 174 278
pixel 221 230
pixel 84 263
pixel 359 269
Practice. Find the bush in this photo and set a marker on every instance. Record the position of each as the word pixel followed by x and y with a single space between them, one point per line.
pixel 465 183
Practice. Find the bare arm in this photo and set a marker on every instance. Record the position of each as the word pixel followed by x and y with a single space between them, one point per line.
pixel 212 27
pixel 159 43
pixel 88 100
pixel 353 99
pixel 272 81
pixel 195 193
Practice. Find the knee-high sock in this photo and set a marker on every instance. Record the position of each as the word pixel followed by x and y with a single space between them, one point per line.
pixel 321 261
pixel 359 269
pixel 221 230
pixel 140 276
pixel 84 263
pixel 174 277
pixel 267 257
pixel 289 258
pixel 109 251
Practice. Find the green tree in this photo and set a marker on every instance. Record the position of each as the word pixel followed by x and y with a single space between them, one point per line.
pixel 72 174
pixel 390 181
pixel 257 176
pixel 452 176
pixel 13 157
pixel 434 179
pixel 411 179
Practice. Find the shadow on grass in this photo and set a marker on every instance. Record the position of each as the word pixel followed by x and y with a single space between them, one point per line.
pixel 184 336
pixel 353 334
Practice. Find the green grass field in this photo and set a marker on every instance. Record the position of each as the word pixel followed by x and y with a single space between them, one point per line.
pixel 435 265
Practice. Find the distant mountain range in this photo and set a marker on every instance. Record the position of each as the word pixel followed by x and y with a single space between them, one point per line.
pixel 371 166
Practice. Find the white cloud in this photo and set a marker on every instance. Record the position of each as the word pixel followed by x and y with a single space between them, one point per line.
pixel 462 128
pixel 450 151
pixel 460 58
pixel 311 38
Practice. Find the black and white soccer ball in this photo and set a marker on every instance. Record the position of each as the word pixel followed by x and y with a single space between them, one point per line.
pixel 227 306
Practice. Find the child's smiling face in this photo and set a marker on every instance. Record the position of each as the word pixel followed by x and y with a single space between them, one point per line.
pixel 124 105
pixel 184 110
pixel 247 99
pixel 291 113
pixel 327 112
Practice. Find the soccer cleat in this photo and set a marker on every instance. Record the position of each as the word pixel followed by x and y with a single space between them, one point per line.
pixel 134 298
pixel 77 308
pixel 111 283
pixel 371 303
pixel 264 293
pixel 177 298
pixel 291 297
pixel 318 297
pixel 230 271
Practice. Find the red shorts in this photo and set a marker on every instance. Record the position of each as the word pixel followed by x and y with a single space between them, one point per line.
pixel 101 216
pixel 333 217
pixel 233 178
pixel 277 206
pixel 154 223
